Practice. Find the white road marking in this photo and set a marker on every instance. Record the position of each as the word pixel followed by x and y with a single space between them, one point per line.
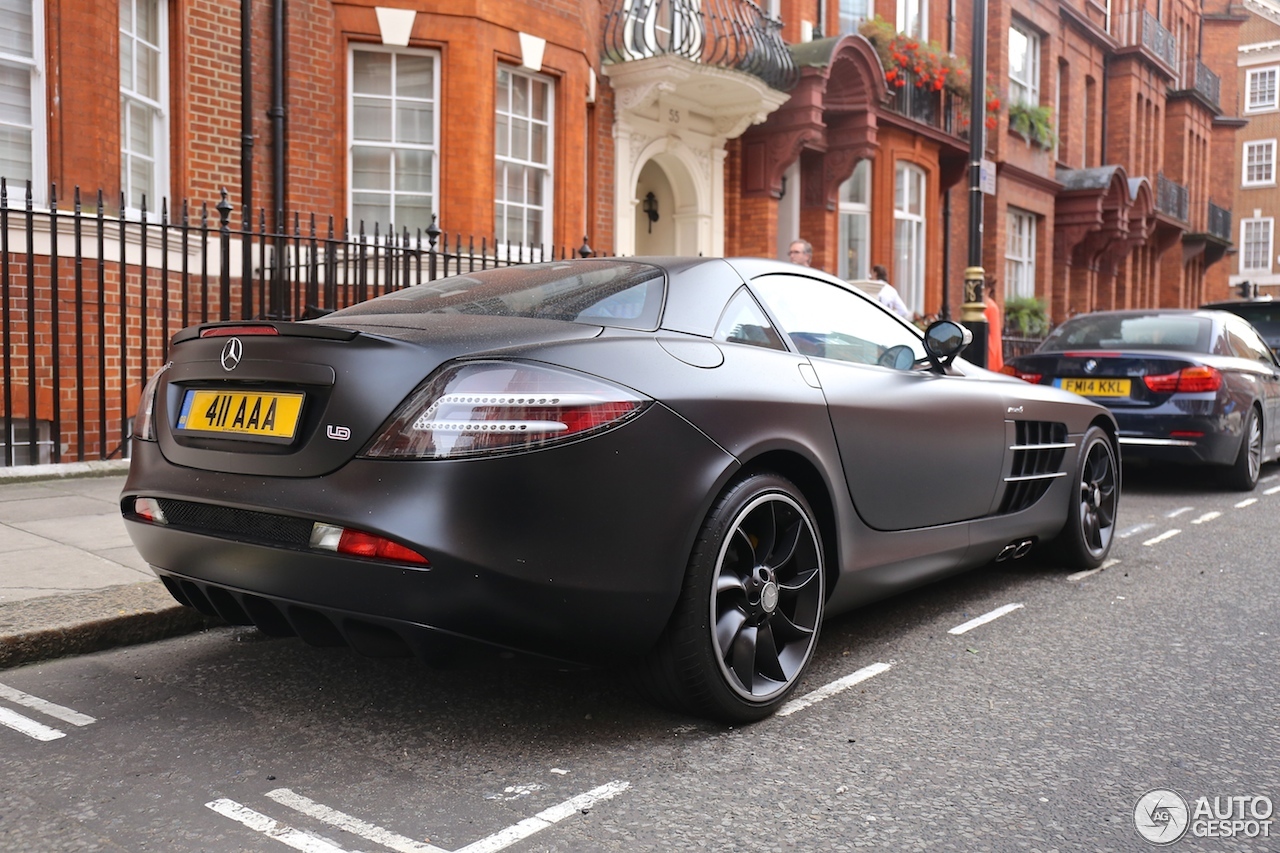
pixel 35 703
pixel 1272 491
pixel 27 726
pixel 347 823
pixel 544 819
pixel 285 834
pixel 1179 511
pixel 1079 576
pixel 829 690
pixel 1138 528
pixel 984 619
pixel 299 840
pixel 1208 516
pixel 1246 502
pixel 1168 534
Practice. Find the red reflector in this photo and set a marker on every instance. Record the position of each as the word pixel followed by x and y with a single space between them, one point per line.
pixel 230 331
pixel 360 544
pixel 1186 434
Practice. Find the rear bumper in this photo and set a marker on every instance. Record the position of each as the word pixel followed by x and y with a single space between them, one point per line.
pixel 1174 436
pixel 576 552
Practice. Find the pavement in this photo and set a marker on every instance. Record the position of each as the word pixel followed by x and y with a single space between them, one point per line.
pixel 70 579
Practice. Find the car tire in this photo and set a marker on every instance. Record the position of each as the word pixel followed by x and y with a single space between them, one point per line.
pixel 1242 475
pixel 1091 517
pixel 748 617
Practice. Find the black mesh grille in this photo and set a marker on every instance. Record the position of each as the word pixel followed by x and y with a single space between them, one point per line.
pixel 240 524
pixel 1032 459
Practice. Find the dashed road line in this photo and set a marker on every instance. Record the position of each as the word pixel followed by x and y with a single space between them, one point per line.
pixel 1079 576
pixel 1168 534
pixel 347 823
pixel 1208 516
pixel 272 828
pixel 1272 491
pixel 1130 531
pixel 1246 502
pixel 1179 511
pixel 984 619
pixel 829 690
pixel 35 703
pixel 544 819
pixel 27 726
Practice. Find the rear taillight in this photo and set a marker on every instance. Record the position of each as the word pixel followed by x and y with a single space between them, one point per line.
pixel 1025 376
pixel 144 423
pixel 494 407
pixel 1189 380
pixel 358 543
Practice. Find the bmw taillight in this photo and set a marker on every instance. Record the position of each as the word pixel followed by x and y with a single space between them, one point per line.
pixel 1189 380
pixel 1024 375
pixel 144 424
pixel 488 408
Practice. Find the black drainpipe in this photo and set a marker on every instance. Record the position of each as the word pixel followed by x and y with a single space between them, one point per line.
pixel 279 188
pixel 246 146
pixel 945 313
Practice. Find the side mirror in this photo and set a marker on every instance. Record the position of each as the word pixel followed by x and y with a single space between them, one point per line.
pixel 944 340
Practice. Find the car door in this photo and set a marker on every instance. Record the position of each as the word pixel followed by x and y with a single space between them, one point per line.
pixel 918 448
pixel 1264 370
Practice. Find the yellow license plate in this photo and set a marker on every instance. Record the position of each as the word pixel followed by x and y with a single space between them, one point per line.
pixel 268 416
pixel 1096 387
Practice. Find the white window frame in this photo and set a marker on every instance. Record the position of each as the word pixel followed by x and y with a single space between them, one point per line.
pixel 1259 163
pixel 910 200
pixel 855 222
pixel 158 108
pixel 1024 87
pixel 1257 236
pixel 1261 96
pixel 913 18
pixel 391 192
pixel 1020 254
pixel 37 123
pixel 531 169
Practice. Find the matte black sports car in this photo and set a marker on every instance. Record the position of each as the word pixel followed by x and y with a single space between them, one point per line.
pixel 684 462
pixel 1195 387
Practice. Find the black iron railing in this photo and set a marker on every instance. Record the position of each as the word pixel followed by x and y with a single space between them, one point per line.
pixel 89 298
pixel 1144 29
pixel 938 108
pixel 735 34
pixel 1219 222
pixel 1172 198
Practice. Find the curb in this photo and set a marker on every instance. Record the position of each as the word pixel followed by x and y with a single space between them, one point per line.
pixel 63 471
pixel 58 626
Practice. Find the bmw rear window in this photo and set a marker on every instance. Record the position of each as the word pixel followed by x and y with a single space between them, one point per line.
pixel 598 292
pixel 1180 332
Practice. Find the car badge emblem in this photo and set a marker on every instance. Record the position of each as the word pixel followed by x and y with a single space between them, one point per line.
pixel 1090 366
pixel 232 353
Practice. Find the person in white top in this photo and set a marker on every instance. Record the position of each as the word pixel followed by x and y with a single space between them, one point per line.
pixel 889 296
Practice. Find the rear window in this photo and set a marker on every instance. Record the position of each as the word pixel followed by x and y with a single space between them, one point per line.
pixel 598 292
pixel 1185 333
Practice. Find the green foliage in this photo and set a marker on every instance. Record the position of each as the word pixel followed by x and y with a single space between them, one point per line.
pixel 1027 316
pixel 1034 124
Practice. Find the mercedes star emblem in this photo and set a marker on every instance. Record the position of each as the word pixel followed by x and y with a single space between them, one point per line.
pixel 232 353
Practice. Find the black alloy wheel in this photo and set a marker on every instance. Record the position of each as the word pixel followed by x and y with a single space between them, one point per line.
pixel 748 619
pixel 1243 474
pixel 1091 516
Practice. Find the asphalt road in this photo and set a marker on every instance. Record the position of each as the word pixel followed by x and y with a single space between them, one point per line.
pixel 1039 730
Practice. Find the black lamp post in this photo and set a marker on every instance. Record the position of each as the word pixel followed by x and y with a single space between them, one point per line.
pixel 971 312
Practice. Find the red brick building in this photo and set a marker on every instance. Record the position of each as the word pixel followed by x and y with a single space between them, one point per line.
pixel 646 127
